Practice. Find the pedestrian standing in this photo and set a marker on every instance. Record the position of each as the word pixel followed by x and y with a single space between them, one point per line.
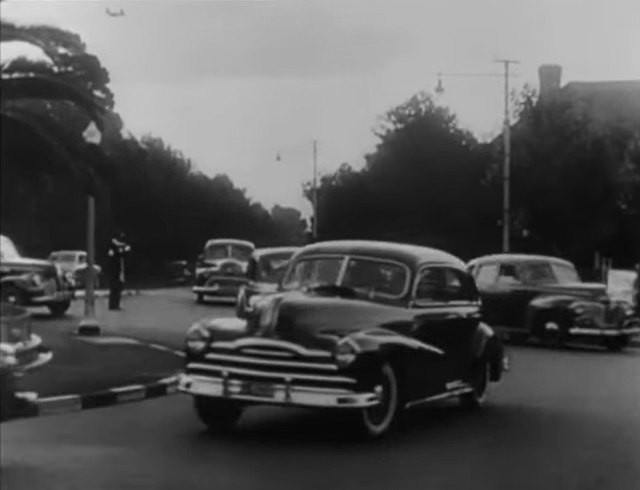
pixel 118 249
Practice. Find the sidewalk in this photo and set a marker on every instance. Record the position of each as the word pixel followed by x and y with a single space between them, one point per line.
pixel 85 365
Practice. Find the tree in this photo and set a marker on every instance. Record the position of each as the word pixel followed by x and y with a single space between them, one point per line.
pixel 574 179
pixel 423 183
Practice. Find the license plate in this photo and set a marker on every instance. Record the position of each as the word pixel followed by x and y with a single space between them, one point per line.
pixel 262 390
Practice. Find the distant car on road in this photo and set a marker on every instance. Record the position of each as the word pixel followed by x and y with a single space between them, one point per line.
pixel 21 351
pixel 31 282
pixel 222 267
pixel 74 266
pixel 544 297
pixel 266 268
pixel 367 327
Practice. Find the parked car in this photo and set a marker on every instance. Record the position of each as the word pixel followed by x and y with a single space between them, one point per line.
pixel 265 269
pixel 221 268
pixel 370 327
pixel 74 266
pixel 544 297
pixel 32 282
pixel 179 272
pixel 21 351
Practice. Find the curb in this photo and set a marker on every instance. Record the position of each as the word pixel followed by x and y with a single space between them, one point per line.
pixel 57 405
pixel 61 404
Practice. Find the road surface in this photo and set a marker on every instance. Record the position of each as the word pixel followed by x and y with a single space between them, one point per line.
pixel 562 419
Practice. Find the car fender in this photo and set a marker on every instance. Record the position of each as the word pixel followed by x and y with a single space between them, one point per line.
pixel 488 347
pixel 21 281
pixel 557 305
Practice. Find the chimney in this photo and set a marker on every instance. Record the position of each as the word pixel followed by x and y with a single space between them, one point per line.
pixel 549 76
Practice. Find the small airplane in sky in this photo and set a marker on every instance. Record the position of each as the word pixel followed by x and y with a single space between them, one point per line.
pixel 119 13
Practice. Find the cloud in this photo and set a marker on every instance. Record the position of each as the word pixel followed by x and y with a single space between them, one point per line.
pixel 183 42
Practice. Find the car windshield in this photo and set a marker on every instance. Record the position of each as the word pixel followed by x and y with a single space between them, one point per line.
pixel 565 273
pixel 216 252
pixel 219 251
pixel 8 250
pixel 241 252
pixel 368 277
pixel 547 273
pixel 272 267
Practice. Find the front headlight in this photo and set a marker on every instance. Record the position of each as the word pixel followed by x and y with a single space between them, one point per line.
pixel 345 353
pixel 197 340
pixel 36 279
pixel 7 355
pixel 268 312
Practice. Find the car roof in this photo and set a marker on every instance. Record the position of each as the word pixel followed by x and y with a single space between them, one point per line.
pixel 261 252
pixel 516 257
pixel 229 241
pixel 406 253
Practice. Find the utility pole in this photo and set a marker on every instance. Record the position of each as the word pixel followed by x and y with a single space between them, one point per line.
pixel 89 324
pixel 315 190
pixel 506 174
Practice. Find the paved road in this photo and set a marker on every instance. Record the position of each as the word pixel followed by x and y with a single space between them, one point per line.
pixel 563 419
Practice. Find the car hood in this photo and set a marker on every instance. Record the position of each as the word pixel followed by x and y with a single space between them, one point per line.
pixel 591 290
pixel 320 321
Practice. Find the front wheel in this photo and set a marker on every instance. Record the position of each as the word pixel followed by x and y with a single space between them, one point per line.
pixel 219 416
pixel 59 309
pixel 479 384
pixel 12 295
pixel 375 421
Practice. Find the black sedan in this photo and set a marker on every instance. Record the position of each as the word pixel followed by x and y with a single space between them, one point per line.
pixel 544 297
pixel 369 327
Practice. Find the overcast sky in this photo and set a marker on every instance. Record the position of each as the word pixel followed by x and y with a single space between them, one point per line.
pixel 233 83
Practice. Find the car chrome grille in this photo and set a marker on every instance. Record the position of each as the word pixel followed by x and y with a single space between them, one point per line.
pixel 272 361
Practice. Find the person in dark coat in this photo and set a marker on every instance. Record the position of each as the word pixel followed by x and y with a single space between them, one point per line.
pixel 118 249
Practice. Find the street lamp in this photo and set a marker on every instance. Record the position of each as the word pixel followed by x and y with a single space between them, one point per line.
pixel 89 324
pixel 506 134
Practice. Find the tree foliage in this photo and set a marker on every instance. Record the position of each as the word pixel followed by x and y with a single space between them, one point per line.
pixel 144 187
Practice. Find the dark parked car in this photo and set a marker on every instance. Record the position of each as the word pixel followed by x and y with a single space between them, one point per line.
pixel 370 327
pixel 32 282
pixel 266 268
pixel 21 351
pixel 544 297
pixel 222 267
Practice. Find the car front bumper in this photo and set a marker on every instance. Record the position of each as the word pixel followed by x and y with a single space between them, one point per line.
pixel 219 290
pixel 605 332
pixel 287 394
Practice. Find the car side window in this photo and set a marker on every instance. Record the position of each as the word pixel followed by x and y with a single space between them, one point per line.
pixel 508 275
pixel 487 274
pixel 458 286
pixel 429 288
pixel 444 284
